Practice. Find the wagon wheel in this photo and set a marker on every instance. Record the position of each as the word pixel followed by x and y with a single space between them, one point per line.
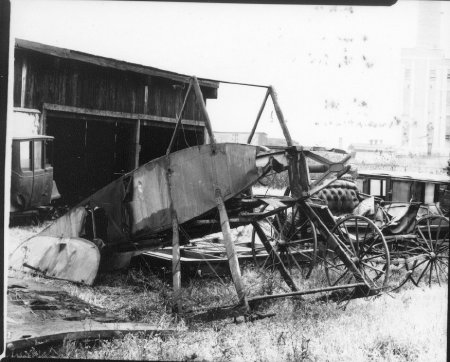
pixel 292 236
pixel 365 245
pixel 429 251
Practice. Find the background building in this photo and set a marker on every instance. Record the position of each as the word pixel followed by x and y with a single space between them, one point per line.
pixel 425 106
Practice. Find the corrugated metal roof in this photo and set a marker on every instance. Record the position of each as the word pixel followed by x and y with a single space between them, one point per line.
pixel 108 62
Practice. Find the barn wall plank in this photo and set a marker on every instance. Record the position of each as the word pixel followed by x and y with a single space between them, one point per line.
pixel 72 83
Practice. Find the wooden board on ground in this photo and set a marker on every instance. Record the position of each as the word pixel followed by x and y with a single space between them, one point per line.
pixel 38 314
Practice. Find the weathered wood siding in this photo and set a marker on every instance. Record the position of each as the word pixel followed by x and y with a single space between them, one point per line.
pixel 73 83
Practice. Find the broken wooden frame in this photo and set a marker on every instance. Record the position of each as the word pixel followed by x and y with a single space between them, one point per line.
pixel 224 222
pixel 184 190
pixel 301 190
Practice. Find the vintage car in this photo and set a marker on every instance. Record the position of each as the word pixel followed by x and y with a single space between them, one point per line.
pixel 32 184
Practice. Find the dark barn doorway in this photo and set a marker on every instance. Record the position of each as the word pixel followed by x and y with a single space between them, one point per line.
pixel 155 140
pixel 89 153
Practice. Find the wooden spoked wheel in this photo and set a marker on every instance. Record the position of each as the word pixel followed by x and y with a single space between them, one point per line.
pixel 364 244
pixel 289 235
pixel 429 251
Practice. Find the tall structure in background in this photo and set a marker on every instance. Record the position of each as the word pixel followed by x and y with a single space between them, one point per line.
pixel 426 85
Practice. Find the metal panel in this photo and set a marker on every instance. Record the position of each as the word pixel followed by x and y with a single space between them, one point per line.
pixel 195 173
pixel 150 202
pixel 137 205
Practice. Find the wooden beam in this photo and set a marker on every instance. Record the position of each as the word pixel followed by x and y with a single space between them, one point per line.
pixel 179 117
pixel 24 82
pixel 146 99
pixel 280 116
pixel 123 115
pixel 133 101
pixel 177 306
pixel 302 176
pixel 176 264
pixel 231 250
pixel 261 109
pixel 202 104
pixel 277 258
pixel 304 292
pixel 331 239
pixel 137 140
pixel 43 122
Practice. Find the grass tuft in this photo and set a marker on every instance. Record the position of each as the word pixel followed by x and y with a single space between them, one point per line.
pixel 406 325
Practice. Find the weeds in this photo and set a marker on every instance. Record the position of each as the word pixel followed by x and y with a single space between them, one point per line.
pixel 409 325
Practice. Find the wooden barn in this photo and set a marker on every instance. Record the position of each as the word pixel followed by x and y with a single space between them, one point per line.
pixel 107 116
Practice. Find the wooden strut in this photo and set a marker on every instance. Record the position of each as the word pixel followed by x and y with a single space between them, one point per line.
pixel 273 94
pixel 176 254
pixel 304 292
pixel 280 116
pixel 179 117
pixel 137 145
pixel 224 221
pixel 275 255
pixel 249 140
pixel 294 180
pixel 306 209
pixel 201 102
pixel 231 250
pixel 176 264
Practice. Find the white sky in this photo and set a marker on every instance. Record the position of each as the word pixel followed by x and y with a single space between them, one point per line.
pixel 297 49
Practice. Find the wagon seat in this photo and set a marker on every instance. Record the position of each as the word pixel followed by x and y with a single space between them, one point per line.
pixel 343 197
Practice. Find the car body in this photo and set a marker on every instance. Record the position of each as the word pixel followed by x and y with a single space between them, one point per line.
pixel 32 184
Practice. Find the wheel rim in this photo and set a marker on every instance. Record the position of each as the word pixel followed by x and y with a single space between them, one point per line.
pixel 365 245
pixel 292 237
pixel 429 251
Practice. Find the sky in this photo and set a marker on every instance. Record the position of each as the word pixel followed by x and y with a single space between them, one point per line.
pixel 330 65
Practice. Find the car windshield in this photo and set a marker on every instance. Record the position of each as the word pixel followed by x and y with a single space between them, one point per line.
pixel 25 156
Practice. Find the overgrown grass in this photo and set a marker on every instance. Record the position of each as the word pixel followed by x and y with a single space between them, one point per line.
pixel 407 325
